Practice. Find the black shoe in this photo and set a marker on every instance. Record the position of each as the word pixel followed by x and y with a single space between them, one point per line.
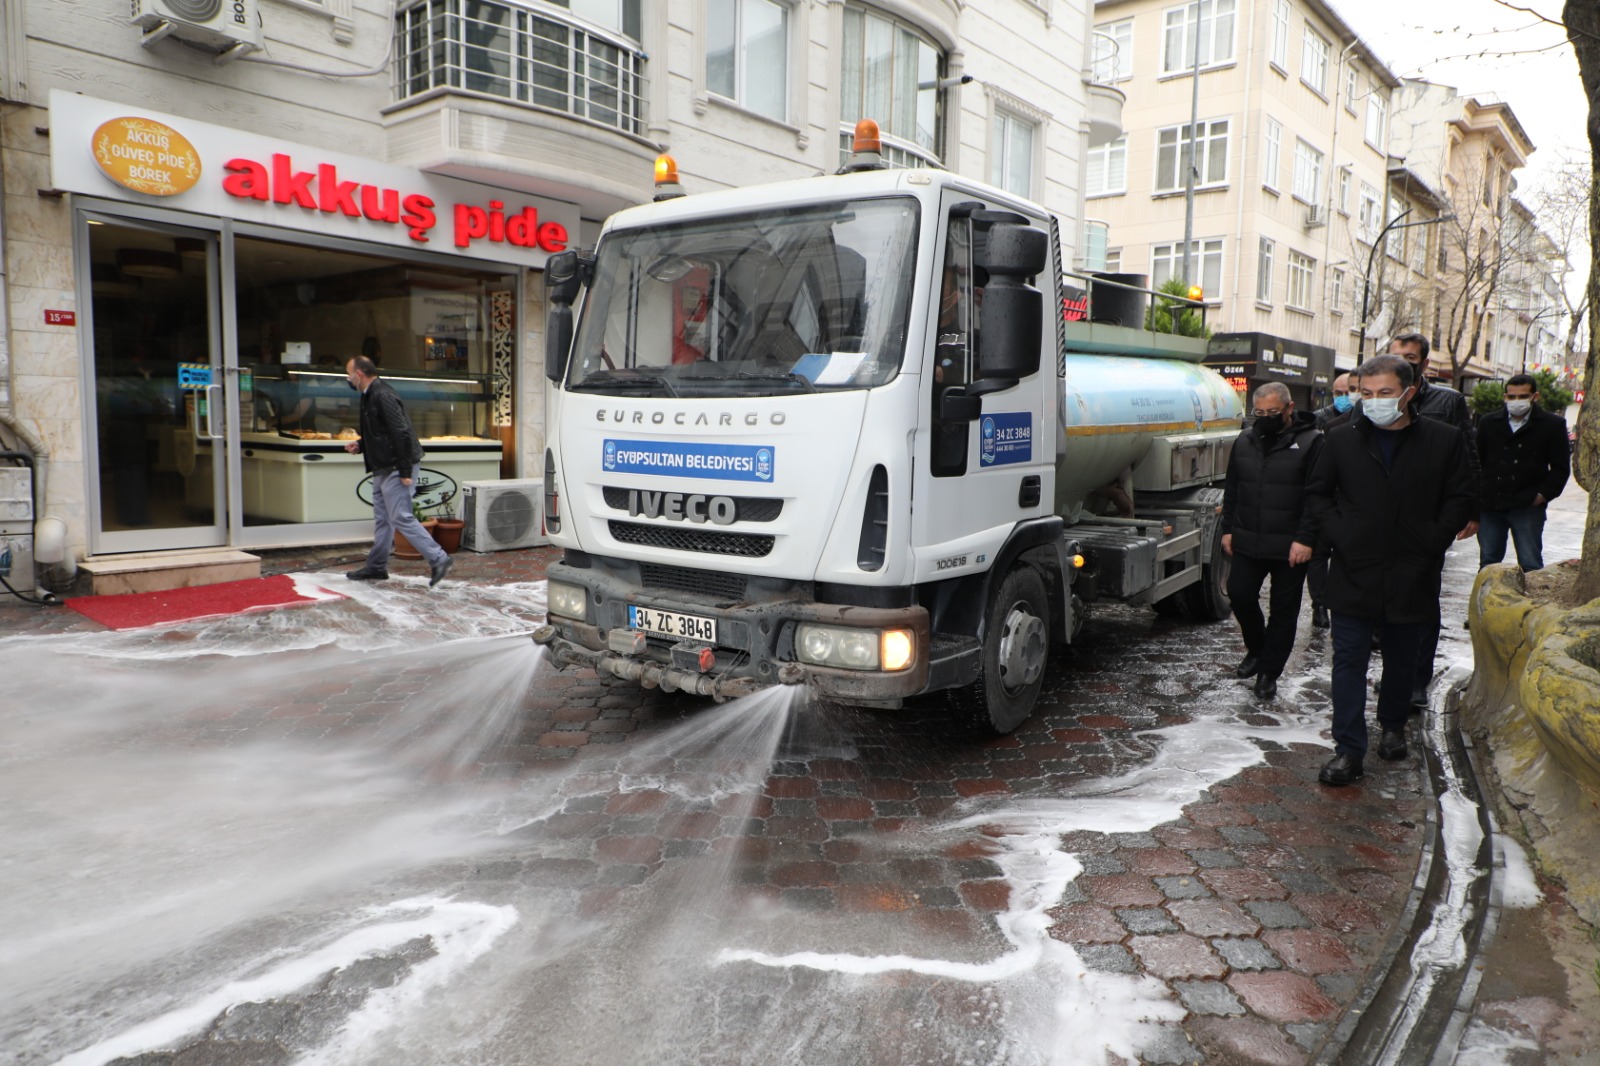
pixel 1266 686
pixel 1419 700
pixel 1319 617
pixel 438 570
pixel 1392 745
pixel 1341 770
pixel 1249 666
pixel 367 573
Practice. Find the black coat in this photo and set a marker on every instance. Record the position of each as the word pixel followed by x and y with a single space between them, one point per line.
pixel 1389 529
pixel 1263 497
pixel 1327 414
pixel 1518 466
pixel 1442 404
pixel 387 440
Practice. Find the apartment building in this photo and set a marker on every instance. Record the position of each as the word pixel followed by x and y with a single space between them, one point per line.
pixel 1291 160
pixel 210 206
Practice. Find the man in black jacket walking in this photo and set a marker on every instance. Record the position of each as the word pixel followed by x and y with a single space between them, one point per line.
pixel 1442 404
pixel 392 453
pixel 1263 515
pixel 1526 461
pixel 1389 492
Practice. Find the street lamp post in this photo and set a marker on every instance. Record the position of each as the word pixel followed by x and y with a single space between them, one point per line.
pixel 1366 280
pixel 1194 152
pixel 1527 333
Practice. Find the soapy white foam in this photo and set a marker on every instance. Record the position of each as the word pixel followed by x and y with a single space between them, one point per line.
pixel 460 933
pixel 1485 1045
pixel 1519 888
pixel 1441 945
pixel 1089 1014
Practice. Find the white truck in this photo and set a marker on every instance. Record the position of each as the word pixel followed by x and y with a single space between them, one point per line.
pixel 837 432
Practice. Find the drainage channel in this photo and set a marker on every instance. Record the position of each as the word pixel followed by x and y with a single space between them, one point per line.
pixel 1416 1006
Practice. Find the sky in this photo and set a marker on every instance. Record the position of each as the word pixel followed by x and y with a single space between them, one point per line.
pixel 1486 49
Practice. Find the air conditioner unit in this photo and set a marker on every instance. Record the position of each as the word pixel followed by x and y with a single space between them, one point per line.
pixel 502 514
pixel 231 28
pixel 1316 215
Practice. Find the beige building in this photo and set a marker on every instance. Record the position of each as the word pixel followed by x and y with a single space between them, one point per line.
pixel 1293 124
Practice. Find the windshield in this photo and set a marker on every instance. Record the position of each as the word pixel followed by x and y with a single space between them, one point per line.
pixel 802 299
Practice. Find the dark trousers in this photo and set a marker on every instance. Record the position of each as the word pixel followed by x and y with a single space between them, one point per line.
pixel 1269 639
pixel 1526 527
pixel 1352 650
pixel 1427 647
pixel 1317 575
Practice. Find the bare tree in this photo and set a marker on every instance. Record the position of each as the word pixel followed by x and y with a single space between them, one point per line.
pixel 1561 202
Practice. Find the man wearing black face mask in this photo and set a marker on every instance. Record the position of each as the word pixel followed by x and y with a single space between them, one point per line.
pixel 1388 494
pixel 1263 515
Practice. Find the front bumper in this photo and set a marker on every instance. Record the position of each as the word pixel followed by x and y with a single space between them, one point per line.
pixel 755 641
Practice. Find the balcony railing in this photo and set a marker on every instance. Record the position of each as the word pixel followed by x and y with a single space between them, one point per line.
pixel 534 55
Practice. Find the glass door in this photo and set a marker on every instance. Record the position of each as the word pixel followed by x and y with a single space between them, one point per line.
pixel 159 426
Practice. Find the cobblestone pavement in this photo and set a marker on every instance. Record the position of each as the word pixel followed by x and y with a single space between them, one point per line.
pixel 370 827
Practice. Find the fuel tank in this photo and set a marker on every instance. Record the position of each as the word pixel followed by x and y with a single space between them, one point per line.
pixel 1114 406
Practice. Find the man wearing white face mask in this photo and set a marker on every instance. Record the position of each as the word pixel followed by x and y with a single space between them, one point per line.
pixel 1526 462
pixel 1388 494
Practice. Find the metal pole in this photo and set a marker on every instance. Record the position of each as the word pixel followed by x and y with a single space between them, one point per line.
pixel 1366 284
pixel 1194 153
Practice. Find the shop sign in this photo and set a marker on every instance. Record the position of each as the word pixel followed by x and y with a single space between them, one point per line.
pixel 433 490
pixel 110 150
pixel 146 156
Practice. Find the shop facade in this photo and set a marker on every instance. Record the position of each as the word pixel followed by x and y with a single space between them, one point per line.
pixel 1250 360
pixel 220 280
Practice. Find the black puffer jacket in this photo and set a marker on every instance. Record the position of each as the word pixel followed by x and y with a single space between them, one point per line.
pixel 1517 466
pixel 1442 404
pixel 1263 498
pixel 1389 528
pixel 387 440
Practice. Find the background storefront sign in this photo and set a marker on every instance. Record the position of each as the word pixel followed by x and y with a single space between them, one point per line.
pixel 254 178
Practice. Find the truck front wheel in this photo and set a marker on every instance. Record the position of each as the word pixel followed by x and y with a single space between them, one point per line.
pixel 1016 646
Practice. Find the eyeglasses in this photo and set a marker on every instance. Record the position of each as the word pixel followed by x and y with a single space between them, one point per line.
pixel 1267 414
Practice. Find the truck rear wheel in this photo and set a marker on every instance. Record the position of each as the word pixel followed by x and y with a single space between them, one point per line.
pixel 1015 648
pixel 1207 599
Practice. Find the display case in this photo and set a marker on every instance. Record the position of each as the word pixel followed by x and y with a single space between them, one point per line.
pixel 295 424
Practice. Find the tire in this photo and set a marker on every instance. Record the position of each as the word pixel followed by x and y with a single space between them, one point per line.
pixel 1207 599
pixel 1016 648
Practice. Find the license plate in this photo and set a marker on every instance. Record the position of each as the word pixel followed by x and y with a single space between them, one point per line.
pixel 673 624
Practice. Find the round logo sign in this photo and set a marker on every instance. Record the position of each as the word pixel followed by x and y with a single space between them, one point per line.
pixel 146 156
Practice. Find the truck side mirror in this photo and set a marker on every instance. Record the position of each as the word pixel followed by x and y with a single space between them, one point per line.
pixel 1011 323
pixel 564 275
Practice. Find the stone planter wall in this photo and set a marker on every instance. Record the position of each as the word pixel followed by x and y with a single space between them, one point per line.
pixel 1535 698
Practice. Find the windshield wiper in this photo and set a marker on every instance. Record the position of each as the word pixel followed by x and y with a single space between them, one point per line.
pixel 791 378
pixel 603 380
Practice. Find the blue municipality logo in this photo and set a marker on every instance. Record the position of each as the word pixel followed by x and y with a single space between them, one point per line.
pixel 764 464
pixel 611 455
pixel 987 455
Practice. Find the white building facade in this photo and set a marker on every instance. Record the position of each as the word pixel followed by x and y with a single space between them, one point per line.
pixel 204 216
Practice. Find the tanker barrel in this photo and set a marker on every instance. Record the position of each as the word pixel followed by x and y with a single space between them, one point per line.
pixel 1115 304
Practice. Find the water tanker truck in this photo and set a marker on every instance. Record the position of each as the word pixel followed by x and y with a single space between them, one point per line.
pixel 836 432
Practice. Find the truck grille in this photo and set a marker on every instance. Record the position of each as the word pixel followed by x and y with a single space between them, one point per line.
pixel 748 545
pixel 746 508
pixel 684 579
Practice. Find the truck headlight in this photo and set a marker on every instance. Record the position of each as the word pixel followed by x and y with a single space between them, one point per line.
pixel 568 601
pixel 854 649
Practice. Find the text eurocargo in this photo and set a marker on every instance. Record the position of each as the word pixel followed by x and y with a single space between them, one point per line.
pixel 248 177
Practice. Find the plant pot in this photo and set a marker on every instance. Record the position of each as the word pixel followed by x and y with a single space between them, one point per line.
pixel 402 546
pixel 447 531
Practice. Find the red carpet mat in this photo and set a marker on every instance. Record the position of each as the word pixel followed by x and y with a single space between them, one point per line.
pixel 203 601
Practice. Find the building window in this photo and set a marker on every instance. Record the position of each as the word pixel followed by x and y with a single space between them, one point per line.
pixel 1345 180
pixel 1205 263
pixel 1302 272
pixel 1376 116
pixel 1280 35
pixel 1113 51
pixel 1369 215
pixel 1108 168
pixel 1206 25
pixel 891 74
pixel 1273 135
pixel 1011 154
pixel 546 58
pixel 1352 87
pixel 1264 271
pixel 1394 245
pixel 747 54
pixel 1307 172
pixel 1336 292
pixel 1314 61
pixel 1173 156
pixel 1113 260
